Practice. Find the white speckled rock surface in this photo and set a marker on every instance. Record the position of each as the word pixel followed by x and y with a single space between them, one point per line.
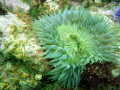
pixel 16 4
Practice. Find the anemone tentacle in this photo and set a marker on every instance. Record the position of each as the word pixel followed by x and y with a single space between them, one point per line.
pixel 73 39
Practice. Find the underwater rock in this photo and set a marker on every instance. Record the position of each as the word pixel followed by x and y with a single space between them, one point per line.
pixel 85 4
pixel 15 76
pixel 38 76
pixel 52 5
pixel 2 11
pixel 97 1
pixel 48 1
pixel 93 8
pixel 7 21
pixel 16 5
pixel 116 72
pixel 110 5
pixel 91 2
pixel 101 76
pixel 20 42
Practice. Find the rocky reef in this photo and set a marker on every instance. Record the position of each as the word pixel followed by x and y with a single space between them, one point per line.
pixel 16 42
pixel 100 76
pixel 62 49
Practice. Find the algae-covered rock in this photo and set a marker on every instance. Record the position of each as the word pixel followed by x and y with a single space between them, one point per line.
pixel 15 76
pixel 85 4
pixel 20 42
pixel 97 1
pixel 13 5
pixel 27 70
pixel 93 8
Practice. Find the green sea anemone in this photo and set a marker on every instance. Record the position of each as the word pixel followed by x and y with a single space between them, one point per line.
pixel 71 40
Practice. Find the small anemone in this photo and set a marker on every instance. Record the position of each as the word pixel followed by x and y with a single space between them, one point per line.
pixel 73 39
pixel 117 14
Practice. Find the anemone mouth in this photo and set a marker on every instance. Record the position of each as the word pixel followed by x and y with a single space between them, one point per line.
pixel 78 40
pixel 73 39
